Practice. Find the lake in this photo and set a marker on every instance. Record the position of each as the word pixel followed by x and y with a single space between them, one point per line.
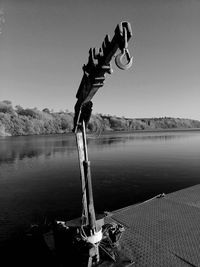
pixel 39 175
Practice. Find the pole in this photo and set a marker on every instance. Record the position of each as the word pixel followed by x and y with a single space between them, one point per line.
pixel 88 182
pixel 85 172
pixel 81 157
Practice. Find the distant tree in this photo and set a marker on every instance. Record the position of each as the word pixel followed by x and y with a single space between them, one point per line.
pixel 6 107
pixel 8 102
pixel 2 130
pixel 117 123
pixel 18 108
pixel 46 110
pixel 28 112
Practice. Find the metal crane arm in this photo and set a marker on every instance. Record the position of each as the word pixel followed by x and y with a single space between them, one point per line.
pixel 99 64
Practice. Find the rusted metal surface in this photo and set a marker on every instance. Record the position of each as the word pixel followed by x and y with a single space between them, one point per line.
pixel 99 63
pixel 164 231
pixel 88 238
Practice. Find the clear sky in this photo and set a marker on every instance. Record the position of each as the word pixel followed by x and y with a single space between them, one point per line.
pixel 44 44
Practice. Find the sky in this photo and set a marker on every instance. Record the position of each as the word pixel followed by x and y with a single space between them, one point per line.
pixel 44 44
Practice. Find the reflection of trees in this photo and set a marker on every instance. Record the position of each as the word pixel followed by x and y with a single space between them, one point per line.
pixel 20 148
pixel 29 154
pixel 116 138
pixel 105 141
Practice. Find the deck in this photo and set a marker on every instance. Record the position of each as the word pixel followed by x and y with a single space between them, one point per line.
pixel 163 231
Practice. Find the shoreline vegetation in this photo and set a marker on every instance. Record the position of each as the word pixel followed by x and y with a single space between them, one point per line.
pixel 17 121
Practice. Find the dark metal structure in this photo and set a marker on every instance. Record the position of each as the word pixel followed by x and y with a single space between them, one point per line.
pixel 99 63
pixel 92 239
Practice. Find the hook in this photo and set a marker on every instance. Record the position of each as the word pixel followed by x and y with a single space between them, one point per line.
pixel 119 58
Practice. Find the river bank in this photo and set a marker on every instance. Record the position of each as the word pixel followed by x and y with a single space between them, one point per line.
pixel 31 121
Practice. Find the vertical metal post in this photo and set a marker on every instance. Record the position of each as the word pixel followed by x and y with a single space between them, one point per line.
pixel 88 182
pixel 81 157
pixel 88 203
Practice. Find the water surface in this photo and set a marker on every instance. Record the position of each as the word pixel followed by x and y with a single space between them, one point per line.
pixel 39 175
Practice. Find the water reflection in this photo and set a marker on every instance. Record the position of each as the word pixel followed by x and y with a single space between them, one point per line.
pixel 19 148
pixel 152 136
pixel 40 175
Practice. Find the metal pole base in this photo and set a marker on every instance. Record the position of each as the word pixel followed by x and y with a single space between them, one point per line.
pixel 73 244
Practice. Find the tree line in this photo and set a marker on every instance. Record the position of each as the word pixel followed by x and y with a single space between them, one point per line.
pixel 16 121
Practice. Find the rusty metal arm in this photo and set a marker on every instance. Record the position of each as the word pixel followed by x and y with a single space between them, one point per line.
pixel 99 64
pixel 91 230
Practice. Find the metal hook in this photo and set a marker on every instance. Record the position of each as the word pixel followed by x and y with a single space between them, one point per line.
pixel 119 58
